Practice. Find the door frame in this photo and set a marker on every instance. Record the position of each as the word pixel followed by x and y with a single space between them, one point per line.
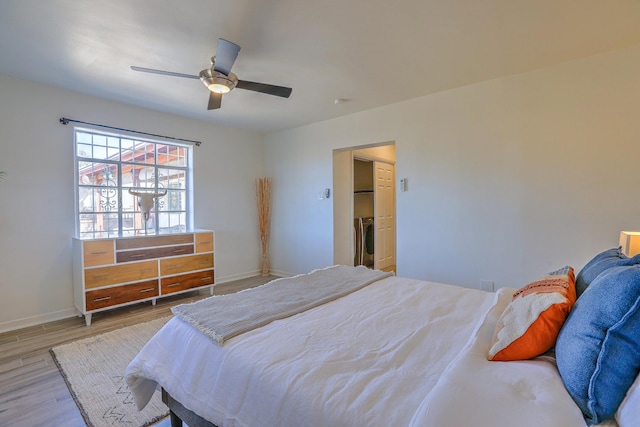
pixel 343 238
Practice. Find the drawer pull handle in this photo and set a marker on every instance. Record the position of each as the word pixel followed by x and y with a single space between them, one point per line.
pixel 173 284
pixel 147 290
pixel 177 251
pixel 169 267
pixel 205 243
pixel 101 299
pixel 137 256
pixel 146 270
pixel 206 278
pixel 104 276
pixel 99 253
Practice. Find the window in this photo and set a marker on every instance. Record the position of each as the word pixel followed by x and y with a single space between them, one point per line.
pixel 109 165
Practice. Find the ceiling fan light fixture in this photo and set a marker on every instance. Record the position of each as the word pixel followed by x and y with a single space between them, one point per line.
pixel 218 82
pixel 218 88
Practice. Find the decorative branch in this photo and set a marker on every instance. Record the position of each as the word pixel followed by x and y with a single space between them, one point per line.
pixel 263 199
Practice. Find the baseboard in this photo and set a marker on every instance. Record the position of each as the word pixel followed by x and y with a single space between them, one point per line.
pixel 239 276
pixel 281 273
pixel 37 320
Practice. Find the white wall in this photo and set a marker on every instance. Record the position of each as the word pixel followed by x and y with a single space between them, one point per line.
pixel 508 179
pixel 37 196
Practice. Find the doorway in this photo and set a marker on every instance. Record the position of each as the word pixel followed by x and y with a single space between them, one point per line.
pixel 364 206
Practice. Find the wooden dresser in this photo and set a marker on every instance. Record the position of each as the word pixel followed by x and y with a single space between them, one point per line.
pixel 110 273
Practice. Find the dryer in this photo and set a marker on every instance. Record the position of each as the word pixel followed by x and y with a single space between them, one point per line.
pixel 364 241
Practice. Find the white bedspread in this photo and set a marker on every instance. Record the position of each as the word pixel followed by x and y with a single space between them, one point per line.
pixel 475 391
pixel 367 359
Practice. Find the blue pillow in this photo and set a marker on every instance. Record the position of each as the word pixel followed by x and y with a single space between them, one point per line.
pixel 601 262
pixel 598 348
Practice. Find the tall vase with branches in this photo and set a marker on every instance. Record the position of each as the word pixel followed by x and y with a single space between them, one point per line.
pixel 263 198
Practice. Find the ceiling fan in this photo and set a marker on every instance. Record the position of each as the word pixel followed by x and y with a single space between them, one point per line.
pixel 219 79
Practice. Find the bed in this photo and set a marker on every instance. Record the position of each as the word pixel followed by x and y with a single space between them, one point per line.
pixel 395 352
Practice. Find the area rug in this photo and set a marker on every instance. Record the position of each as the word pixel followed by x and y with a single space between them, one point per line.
pixel 93 369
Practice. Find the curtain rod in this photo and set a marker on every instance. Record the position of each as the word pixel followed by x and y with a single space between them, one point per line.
pixel 66 121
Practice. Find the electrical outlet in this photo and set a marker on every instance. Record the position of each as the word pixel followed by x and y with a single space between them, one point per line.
pixel 486 285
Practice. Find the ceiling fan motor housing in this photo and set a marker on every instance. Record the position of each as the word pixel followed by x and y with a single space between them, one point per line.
pixel 218 82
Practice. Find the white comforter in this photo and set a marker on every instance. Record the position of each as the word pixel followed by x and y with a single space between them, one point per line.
pixel 372 358
pixel 475 391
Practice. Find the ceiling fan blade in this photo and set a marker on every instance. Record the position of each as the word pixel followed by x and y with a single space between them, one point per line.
pixel 215 101
pixel 280 91
pixel 165 73
pixel 226 55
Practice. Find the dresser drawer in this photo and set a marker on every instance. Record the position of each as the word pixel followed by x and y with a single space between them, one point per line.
pixel 204 242
pixel 170 266
pixel 98 252
pixel 101 298
pixel 105 276
pixel 140 254
pixel 186 281
pixel 145 242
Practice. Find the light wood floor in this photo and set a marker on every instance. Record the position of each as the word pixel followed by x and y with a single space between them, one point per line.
pixel 32 391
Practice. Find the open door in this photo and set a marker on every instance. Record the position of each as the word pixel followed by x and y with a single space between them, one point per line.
pixel 385 216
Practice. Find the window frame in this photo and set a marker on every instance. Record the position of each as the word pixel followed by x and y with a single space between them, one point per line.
pixel 122 187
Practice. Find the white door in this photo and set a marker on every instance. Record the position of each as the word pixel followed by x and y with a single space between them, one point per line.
pixel 384 212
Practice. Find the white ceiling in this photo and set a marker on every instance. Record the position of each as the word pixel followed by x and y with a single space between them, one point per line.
pixel 370 52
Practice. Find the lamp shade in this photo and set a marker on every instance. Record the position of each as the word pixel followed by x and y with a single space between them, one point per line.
pixel 630 242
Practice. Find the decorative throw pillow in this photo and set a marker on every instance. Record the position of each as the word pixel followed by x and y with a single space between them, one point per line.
pixel 530 324
pixel 603 261
pixel 598 348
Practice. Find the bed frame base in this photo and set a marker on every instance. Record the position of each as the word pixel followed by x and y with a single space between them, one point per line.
pixel 179 413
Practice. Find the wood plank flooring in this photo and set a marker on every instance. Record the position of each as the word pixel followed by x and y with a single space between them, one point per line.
pixel 32 391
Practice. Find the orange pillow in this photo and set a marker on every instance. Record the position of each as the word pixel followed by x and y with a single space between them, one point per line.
pixel 531 322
